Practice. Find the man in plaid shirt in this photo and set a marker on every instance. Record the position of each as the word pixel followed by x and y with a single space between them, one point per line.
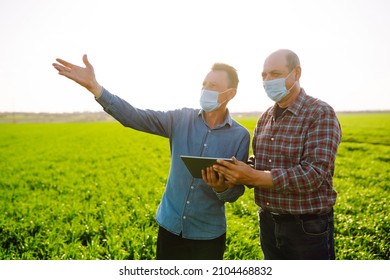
pixel 295 144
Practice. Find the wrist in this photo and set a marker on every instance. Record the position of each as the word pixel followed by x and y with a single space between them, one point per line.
pixel 220 189
pixel 263 179
pixel 97 90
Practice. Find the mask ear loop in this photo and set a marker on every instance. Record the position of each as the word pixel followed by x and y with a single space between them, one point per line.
pixel 292 86
pixel 227 99
pixel 293 83
pixel 223 102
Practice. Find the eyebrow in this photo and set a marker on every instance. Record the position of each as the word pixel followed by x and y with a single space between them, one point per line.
pixel 210 83
pixel 272 72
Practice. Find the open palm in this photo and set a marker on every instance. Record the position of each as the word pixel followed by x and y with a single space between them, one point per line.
pixel 85 76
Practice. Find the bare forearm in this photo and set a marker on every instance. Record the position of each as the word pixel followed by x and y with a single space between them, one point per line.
pixel 95 89
pixel 260 179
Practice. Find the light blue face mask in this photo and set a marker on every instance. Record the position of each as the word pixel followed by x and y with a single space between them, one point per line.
pixel 209 100
pixel 276 88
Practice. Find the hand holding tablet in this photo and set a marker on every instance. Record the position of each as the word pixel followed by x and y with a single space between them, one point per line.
pixel 196 164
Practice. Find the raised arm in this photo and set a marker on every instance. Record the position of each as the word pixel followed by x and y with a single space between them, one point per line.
pixel 84 76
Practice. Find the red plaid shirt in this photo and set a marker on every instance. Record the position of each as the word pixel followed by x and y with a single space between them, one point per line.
pixel 299 149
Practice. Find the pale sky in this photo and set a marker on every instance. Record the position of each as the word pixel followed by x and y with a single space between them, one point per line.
pixel 155 54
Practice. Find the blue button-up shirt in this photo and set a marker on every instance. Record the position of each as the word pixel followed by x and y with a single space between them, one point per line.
pixel 189 206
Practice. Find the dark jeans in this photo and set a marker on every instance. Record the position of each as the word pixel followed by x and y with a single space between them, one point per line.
pixel 173 247
pixel 301 237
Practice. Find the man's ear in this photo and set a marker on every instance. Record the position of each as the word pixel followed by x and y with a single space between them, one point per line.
pixel 298 72
pixel 232 93
pixel 227 95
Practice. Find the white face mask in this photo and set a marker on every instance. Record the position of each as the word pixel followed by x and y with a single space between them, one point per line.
pixel 209 100
pixel 276 88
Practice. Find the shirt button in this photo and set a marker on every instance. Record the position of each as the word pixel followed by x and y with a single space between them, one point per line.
pixel 192 187
pixel 188 202
pixel 272 139
pixel 267 203
pixel 205 145
pixel 184 217
pixel 270 160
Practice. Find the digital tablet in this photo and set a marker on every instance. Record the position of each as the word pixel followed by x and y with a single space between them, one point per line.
pixel 196 164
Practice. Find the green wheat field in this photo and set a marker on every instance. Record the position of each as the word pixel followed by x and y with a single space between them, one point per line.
pixel 90 191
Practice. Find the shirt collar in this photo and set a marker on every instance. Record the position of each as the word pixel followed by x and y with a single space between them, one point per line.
pixel 296 106
pixel 228 120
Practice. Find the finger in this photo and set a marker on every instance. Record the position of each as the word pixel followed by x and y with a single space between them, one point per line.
pixel 65 63
pixel 224 167
pixel 221 169
pixel 211 175
pixel 207 176
pixel 221 178
pixel 204 176
pixel 224 163
pixel 56 66
pixel 86 61
pixel 229 184
pixel 237 162
pixel 61 69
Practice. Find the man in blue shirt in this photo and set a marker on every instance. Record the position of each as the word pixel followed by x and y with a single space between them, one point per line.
pixel 191 215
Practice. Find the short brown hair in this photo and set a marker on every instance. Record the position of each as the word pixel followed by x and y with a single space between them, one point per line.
pixel 231 72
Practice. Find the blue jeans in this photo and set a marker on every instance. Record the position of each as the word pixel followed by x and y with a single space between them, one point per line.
pixel 297 237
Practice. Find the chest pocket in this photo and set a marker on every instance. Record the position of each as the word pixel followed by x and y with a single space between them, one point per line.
pixel 291 147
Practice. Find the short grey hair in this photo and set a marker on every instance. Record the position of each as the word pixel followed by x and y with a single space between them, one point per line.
pixel 292 60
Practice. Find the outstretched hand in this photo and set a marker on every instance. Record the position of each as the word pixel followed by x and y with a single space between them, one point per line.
pixel 84 76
